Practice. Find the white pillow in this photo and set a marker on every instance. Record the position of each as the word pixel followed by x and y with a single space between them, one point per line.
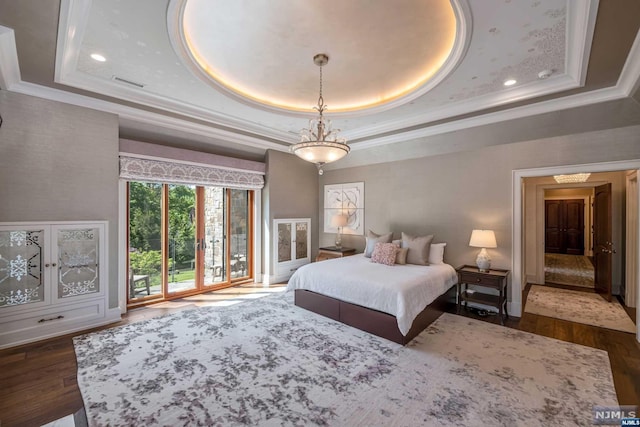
pixel 436 253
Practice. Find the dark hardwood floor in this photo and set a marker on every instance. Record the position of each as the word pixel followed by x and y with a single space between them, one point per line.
pixel 38 381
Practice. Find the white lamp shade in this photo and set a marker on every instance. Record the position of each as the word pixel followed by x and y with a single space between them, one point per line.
pixel 320 151
pixel 339 220
pixel 483 239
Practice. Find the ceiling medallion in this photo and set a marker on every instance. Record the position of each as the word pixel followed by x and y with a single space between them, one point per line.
pixel 320 143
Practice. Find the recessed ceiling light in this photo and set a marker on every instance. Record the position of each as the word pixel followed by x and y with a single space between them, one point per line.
pixel 98 57
pixel 509 82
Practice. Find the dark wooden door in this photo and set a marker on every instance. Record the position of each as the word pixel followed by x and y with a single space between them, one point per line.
pixel 602 236
pixel 564 226
pixel 574 227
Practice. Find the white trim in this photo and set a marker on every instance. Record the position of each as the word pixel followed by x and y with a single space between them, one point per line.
pixel 629 80
pixel 123 250
pixel 517 241
pixel 9 68
pixel 627 83
pixel 573 101
pixel 581 23
pixel 145 117
pixel 632 244
pixel 257 236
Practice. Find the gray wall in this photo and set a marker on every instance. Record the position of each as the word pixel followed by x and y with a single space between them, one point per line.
pixel 451 194
pixel 290 191
pixel 59 162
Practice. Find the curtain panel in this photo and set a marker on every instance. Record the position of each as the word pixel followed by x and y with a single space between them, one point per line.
pixel 166 171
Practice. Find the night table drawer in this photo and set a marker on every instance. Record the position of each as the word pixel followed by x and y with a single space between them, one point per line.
pixel 484 280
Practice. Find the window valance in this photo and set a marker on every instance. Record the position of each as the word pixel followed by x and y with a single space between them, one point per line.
pixel 167 171
pixel 143 161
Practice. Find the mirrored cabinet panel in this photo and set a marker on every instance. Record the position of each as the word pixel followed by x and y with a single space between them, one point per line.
pixel 292 246
pixel 78 261
pixel 22 252
pixel 53 279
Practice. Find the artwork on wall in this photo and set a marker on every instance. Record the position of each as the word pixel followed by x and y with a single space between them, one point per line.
pixel 344 199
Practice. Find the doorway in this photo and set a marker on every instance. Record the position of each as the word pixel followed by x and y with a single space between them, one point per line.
pixel 525 255
pixel 186 239
pixel 568 237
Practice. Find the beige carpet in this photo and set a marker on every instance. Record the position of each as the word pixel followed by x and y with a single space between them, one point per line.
pixel 575 270
pixel 579 307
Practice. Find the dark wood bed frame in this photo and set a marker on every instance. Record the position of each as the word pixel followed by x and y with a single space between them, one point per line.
pixel 373 321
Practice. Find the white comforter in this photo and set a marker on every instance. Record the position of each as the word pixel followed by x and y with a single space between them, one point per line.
pixel 400 290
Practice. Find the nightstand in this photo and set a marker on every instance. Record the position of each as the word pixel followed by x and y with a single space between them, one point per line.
pixel 334 252
pixel 494 279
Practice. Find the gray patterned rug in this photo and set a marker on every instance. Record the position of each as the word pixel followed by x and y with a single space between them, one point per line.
pixel 574 270
pixel 267 362
pixel 580 307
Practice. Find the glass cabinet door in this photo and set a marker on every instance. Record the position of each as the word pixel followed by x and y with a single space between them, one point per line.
pixel 284 242
pixel 22 254
pixel 78 254
pixel 302 246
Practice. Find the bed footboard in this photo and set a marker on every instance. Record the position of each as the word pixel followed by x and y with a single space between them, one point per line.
pixel 373 321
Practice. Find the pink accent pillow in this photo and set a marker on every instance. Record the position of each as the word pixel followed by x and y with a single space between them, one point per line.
pixel 384 253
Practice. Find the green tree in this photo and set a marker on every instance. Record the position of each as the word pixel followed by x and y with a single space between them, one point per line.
pixel 182 202
pixel 145 216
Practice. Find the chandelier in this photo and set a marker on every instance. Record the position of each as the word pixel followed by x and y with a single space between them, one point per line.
pixel 573 178
pixel 319 143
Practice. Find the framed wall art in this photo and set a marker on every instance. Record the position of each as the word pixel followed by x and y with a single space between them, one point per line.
pixel 347 200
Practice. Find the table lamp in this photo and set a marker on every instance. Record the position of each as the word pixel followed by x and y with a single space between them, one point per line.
pixel 483 239
pixel 339 221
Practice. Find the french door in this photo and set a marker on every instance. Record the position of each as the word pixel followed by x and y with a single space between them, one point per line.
pixel 187 239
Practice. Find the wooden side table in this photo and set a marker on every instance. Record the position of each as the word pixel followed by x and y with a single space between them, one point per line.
pixel 334 252
pixel 494 279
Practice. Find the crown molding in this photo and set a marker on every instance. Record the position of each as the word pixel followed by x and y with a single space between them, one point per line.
pixel 581 17
pixel 521 93
pixel 142 116
pixel 629 80
pixel 73 17
pixel 579 100
pixel 9 68
pixel 581 22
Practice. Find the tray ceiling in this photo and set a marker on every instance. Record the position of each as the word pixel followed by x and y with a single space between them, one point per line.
pixel 244 70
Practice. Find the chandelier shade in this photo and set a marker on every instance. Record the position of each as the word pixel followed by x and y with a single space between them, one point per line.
pixel 320 143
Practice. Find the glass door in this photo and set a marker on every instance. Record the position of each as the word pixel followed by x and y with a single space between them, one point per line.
pixel 186 239
pixel 214 247
pixel 180 255
pixel 240 232
pixel 145 278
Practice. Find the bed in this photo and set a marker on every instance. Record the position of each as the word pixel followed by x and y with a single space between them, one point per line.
pixel 395 302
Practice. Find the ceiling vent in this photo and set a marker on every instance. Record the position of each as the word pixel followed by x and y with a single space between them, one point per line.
pixel 129 82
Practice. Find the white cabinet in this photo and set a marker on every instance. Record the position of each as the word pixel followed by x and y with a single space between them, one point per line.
pixel 53 279
pixel 292 246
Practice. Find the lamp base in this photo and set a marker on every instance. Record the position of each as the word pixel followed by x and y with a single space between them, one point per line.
pixel 483 261
pixel 338 242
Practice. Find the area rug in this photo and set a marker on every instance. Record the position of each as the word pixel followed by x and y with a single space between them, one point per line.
pixel 267 362
pixel 579 307
pixel 574 270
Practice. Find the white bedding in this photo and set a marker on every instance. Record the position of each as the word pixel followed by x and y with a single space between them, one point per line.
pixel 400 290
